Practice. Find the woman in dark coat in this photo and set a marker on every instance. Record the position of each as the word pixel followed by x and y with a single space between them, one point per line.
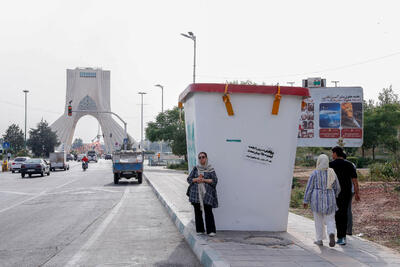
pixel 203 194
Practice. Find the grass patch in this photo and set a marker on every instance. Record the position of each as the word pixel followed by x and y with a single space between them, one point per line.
pixel 180 166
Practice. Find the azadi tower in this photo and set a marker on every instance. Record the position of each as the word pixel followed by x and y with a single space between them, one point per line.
pixel 88 92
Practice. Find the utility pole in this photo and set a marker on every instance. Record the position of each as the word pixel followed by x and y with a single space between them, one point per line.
pixel 335 82
pixel 26 101
pixel 191 36
pixel 141 120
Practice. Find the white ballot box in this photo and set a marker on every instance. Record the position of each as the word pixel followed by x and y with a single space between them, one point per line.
pixel 250 134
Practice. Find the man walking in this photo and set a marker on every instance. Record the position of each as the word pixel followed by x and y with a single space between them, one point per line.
pixel 347 176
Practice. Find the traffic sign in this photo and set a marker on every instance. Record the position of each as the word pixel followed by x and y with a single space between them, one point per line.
pixel 125 141
pixel 6 145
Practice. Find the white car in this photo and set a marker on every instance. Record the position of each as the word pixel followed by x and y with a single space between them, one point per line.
pixel 16 164
pixel 92 156
pixel 80 157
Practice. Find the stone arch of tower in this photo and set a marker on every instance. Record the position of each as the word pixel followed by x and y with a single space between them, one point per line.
pixel 88 92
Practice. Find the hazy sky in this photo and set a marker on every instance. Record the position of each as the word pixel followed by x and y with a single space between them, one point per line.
pixel 355 42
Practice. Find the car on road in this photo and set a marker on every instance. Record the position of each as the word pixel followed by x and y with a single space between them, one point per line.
pixel 108 156
pixel 58 161
pixel 92 155
pixel 35 166
pixel 80 157
pixel 70 157
pixel 16 164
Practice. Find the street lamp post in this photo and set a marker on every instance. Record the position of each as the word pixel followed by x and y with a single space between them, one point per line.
pixel 335 82
pixel 191 36
pixel 162 107
pixel 26 100
pixel 162 96
pixel 141 119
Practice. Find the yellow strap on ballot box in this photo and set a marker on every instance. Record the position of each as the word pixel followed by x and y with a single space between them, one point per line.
pixel 277 101
pixel 227 100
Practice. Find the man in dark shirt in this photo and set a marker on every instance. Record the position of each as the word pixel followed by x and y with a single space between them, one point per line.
pixel 347 176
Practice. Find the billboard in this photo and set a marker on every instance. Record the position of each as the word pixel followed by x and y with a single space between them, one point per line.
pixel 331 114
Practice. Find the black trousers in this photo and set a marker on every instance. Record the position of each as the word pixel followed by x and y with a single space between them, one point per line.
pixel 349 230
pixel 210 223
pixel 341 216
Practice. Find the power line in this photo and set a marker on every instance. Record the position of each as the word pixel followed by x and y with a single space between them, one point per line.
pixel 308 73
pixel 31 108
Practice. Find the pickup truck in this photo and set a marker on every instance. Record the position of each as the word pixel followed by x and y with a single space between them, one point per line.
pixel 128 164
pixel 58 161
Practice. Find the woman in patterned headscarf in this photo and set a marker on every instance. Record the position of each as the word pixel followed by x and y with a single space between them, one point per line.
pixel 321 192
pixel 202 194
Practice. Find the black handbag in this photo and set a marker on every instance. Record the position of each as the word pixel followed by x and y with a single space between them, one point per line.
pixel 188 190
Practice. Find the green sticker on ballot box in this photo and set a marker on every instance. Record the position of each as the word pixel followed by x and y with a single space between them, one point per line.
pixel 234 140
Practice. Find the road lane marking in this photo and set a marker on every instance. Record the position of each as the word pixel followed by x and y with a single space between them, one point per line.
pixel 34 197
pixel 22 202
pixel 17 193
pixel 105 190
pixel 83 251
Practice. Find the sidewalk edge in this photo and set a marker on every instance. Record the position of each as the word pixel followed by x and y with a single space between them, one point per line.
pixel 207 256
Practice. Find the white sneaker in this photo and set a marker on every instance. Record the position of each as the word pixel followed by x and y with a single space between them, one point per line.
pixel 212 234
pixel 201 233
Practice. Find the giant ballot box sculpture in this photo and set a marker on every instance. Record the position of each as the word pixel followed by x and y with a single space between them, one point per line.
pixel 250 135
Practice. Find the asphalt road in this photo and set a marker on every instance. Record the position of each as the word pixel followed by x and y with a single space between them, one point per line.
pixel 77 218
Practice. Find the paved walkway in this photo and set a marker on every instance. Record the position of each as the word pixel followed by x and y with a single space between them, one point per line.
pixel 231 248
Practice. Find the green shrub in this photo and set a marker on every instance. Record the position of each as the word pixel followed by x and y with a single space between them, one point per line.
pixel 179 166
pixel 384 172
pixel 363 162
pixel 297 196
pixel 23 153
pixel 353 159
pixel 295 182
pixel 1 157
pixel 360 162
pixel 362 177
pixel 305 162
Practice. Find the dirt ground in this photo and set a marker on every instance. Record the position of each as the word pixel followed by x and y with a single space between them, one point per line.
pixel 376 217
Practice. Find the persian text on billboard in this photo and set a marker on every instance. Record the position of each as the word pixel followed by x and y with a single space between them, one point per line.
pixel 330 114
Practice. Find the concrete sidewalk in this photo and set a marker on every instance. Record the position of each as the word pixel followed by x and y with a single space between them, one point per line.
pixel 231 248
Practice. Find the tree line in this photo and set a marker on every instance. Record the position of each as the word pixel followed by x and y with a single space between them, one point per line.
pixel 42 140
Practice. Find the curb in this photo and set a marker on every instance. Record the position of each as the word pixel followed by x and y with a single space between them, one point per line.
pixel 207 256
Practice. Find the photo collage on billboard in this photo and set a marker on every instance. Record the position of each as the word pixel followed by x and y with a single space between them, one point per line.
pixel 340 118
pixel 330 114
pixel 306 125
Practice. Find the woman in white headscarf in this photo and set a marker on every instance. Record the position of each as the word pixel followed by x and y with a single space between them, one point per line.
pixel 321 192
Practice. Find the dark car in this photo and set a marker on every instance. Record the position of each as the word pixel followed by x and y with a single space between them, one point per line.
pixel 35 166
pixel 108 156
pixel 70 157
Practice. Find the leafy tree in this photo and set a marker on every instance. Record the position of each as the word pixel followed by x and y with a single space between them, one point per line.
pixel 42 140
pixel 78 142
pixel 170 127
pixel 389 122
pixel 371 128
pixel 15 137
pixel 388 96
